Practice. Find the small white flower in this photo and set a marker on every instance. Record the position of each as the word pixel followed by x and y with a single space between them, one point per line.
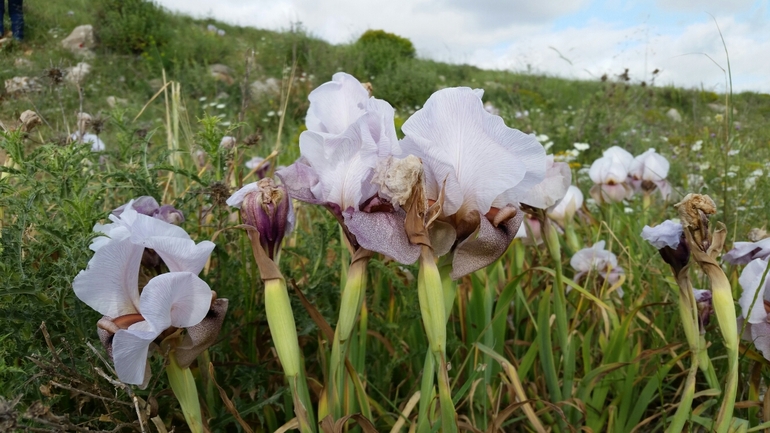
pixel 202 99
pixel 548 145
pixel 270 113
pixel 697 146
pixel 582 146
pixel 731 174
pixel 542 138
pixel 220 106
pixel 704 166
pixel 733 152
pixel 628 210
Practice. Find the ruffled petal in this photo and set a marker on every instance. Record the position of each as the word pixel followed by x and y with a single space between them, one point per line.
pixel 649 166
pixel 760 335
pixel 382 232
pixel 566 208
pixel 553 188
pixel 484 246
pixel 201 336
pixel 474 151
pixel 236 199
pixel 744 252
pixel 129 351
pixel 110 283
pixel 178 299
pixel 665 234
pixel 300 179
pixel 336 104
pixel 750 283
pixel 181 255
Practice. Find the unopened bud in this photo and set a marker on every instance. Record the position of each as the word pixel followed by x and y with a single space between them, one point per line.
pixel 266 207
pixel 169 214
pixel 145 205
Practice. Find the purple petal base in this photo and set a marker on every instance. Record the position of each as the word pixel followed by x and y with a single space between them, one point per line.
pixel 382 232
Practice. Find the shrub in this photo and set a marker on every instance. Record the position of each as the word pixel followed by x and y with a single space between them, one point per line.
pixel 380 50
pixel 131 26
pixel 406 84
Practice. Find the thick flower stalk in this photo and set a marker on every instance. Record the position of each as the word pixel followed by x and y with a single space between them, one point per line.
pixel 694 210
pixel 175 311
pixel 477 171
pixel 610 174
pixel 668 237
pixel 268 216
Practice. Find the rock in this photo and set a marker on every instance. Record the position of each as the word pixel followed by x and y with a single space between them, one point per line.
pixel 113 102
pixel 674 115
pixel 222 73
pixel 77 73
pixel 81 40
pixel 29 119
pixel 269 87
pixel 21 62
pixel 19 85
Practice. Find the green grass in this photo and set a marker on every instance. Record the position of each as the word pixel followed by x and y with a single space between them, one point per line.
pixel 629 356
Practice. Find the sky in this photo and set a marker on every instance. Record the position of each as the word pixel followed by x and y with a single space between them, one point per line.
pixel 581 39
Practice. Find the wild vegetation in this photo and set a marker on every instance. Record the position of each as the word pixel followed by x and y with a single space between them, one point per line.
pixel 533 343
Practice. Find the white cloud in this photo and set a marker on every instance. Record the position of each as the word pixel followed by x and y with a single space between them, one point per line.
pixel 711 6
pixel 517 34
pixel 600 48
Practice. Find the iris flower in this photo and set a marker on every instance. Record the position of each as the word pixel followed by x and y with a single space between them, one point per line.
pixel 744 252
pixel 566 208
pixel 648 172
pixel 349 134
pixel 609 175
pixel 598 259
pixel 484 168
pixel 177 299
pixel 757 328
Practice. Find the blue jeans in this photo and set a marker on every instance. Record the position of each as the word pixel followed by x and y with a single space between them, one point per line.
pixel 17 18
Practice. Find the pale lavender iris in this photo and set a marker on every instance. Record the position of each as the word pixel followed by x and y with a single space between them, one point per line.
pixel 609 174
pixel 756 292
pixel 349 134
pixel 485 169
pixel 110 285
pixel 744 252
pixel 649 171
pixel 596 258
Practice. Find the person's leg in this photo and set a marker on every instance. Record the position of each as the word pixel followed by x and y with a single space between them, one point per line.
pixel 15 10
pixel 2 18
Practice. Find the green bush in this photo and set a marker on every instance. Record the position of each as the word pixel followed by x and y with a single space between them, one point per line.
pixel 380 51
pixel 131 26
pixel 406 84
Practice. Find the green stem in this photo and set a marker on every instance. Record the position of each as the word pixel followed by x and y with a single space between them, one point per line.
pixel 283 329
pixel 183 385
pixel 350 307
pixel 430 292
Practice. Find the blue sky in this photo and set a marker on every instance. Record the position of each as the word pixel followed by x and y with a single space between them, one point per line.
pixel 594 36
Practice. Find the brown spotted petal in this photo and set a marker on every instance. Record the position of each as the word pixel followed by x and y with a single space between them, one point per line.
pixel 199 337
pixel 382 232
pixel 484 246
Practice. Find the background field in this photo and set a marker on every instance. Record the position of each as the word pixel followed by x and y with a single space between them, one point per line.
pixel 630 361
